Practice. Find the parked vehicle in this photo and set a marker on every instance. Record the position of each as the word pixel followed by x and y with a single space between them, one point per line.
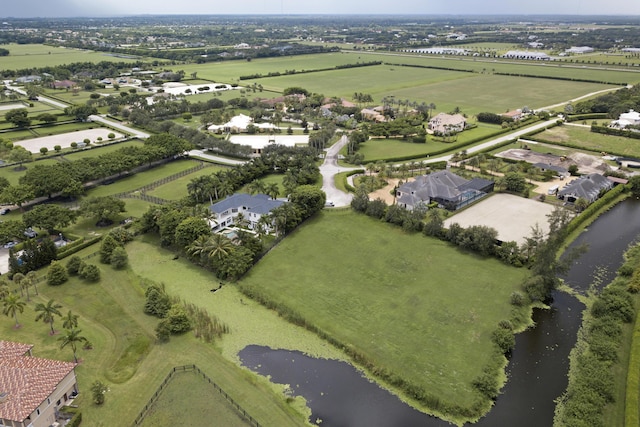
pixel 11 244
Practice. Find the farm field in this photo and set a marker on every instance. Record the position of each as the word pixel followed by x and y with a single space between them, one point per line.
pixel 389 303
pixel 25 56
pixel 583 137
pixel 472 93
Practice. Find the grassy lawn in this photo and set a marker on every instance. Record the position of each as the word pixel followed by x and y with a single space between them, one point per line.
pixel 177 189
pixel 203 403
pixel 582 136
pixel 99 150
pixel 141 179
pixel 410 304
pixel 14 175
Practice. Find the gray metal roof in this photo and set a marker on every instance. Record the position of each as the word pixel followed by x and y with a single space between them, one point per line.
pixel 260 203
pixel 587 187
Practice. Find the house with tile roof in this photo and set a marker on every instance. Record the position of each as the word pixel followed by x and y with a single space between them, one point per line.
pixel 252 207
pixel 588 187
pixel 33 389
pixel 444 124
pixel 449 190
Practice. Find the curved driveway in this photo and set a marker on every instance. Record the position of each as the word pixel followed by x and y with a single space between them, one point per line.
pixel 329 169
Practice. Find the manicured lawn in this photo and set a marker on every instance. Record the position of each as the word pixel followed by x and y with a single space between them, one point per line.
pixel 189 399
pixel 177 189
pixel 270 179
pixel 411 304
pixel 583 137
pixel 99 150
pixel 14 175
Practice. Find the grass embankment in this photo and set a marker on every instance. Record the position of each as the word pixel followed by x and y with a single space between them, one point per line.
pixel 632 399
pixel 125 355
pixel 411 306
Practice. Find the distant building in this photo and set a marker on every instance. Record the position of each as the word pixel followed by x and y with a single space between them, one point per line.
pixel 375 114
pixel 251 207
pixel 443 123
pixel 579 50
pixel 515 115
pixel 28 79
pixel 559 170
pixel 449 190
pixel 239 124
pixel 525 54
pixel 32 389
pixel 63 84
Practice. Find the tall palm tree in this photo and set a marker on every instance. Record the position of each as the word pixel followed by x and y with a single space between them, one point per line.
pixel 199 247
pixel 273 190
pixel 12 305
pixel 256 186
pixel 4 290
pixel 72 337
pixel 48 312
pixel 70 321
pixel 17 279
pixel 32 276
pixel 219 246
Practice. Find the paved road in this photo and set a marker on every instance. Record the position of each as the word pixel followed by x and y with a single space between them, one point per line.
pixel 52 102
pixel 329 169
pixel 114 124
pixel 217 159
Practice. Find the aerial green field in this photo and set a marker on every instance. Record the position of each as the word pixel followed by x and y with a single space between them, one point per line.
pixel 177 189
pixel 25 56
pixel 583 137
pixel 397 298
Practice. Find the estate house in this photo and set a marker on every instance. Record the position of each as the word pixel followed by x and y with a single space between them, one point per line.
pixel 445 188
pixel 588 187
pixel 251 207
pixel 32 389
pixel 444 124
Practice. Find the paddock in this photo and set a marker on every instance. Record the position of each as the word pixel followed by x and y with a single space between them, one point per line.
pixel 512 216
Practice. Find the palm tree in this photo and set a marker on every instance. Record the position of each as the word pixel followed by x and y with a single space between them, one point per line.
pixel 32 278
pixel 241 221
pixel 17 279
pixel 272 190
pixel 70 321
pixel 72 337
pixel 199 247
pixel 47 312
pixel 219 246
pixel 4 290
pixel 256 186
pixel 12 305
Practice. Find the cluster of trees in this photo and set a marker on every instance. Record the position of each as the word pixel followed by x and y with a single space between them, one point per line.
pixel 68 178
pixel 493 118
pixel 613 103
pixel 400 128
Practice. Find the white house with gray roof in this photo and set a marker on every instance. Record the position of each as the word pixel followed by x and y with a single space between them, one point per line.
pixel 252 207
pixel 588 187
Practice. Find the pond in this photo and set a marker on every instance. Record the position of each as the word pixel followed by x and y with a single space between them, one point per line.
pixel 340 396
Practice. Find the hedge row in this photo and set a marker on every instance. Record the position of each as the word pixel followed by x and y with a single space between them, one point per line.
pixel 570 79
pixel 348 186
pixel 589 116
pixel 605 130
pixel 77 246
pixel 316 70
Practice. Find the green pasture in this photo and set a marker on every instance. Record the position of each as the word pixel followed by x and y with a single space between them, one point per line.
pixel 125 355
pixel 410 304
pixel 471 92
pixel 25 56
pixel 14 175
pixel 587 140
pixel 230 71
pixel 188 399
pixel 140 179
pixel 579 69
pixel 177 189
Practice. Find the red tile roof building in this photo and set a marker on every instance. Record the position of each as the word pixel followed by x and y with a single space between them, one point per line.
pixel 32 389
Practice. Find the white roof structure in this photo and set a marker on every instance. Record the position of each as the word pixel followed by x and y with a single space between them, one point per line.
pixel 632 118
pixel 579 49
pixel 240 123
pixel 524 54
pixel 258 142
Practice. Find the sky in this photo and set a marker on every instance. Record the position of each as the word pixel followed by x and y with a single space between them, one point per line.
pixel 72 8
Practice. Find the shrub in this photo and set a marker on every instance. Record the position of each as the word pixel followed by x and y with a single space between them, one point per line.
pixel 74 265
pixel 74 145
pixel 119 258
pixel 57 148
pixel 163 333
pixel 517 299
pixel 111 135
pixel 57 274
pixel 504 339
pixel 158 302
pixel 98 390
pixel 106 248
pixel 90 273
pixel 177 319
